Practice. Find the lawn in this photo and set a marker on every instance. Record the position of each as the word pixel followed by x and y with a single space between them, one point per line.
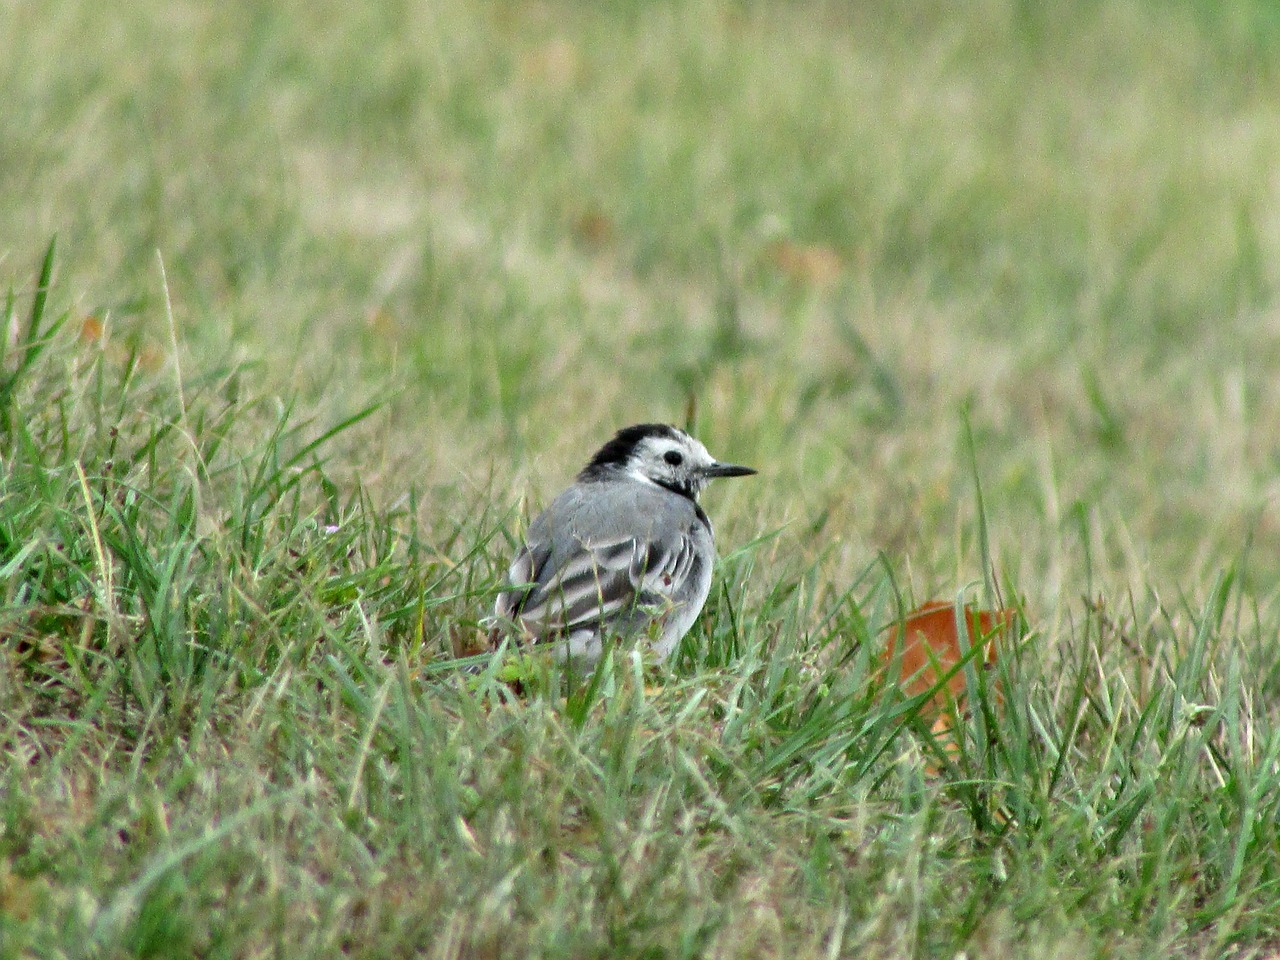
pixel 308 307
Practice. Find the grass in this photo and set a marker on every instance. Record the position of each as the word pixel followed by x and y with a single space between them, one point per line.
pixel 340 295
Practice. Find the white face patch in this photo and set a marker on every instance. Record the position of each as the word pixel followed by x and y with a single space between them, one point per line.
pixel 678 463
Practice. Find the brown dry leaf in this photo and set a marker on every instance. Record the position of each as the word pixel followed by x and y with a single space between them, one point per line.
pixel 555 64
pixel 150 359
pixel 93 333
pixel 91 329
pixel 18 896
pixel 468 642
pixel 813 263
pixel 381 322
pixel 594 228
pixel 932 649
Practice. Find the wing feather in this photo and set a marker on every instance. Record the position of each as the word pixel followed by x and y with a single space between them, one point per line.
pixel 597 586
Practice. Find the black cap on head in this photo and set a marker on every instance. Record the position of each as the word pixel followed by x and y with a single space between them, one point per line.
pixel 616 452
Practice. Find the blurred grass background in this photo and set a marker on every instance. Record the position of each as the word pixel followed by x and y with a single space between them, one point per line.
pixel 828 234
pixel 833 224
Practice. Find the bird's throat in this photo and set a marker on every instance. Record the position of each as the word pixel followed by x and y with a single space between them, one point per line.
pixel 686 491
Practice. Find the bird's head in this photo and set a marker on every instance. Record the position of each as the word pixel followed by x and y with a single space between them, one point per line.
pixel 661 454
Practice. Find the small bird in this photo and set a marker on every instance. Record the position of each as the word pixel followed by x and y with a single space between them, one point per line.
pixel 626 551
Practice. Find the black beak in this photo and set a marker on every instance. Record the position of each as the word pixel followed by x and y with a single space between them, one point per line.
pixel 727 470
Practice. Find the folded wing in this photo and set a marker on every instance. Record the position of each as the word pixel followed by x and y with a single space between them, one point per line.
pixel 609 586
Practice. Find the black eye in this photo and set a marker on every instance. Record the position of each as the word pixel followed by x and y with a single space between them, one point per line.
pixel 673 457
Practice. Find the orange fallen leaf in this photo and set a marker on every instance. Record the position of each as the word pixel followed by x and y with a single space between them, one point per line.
pixel 932 649
pixel 91 329
pixel 811 263
pixel 93 333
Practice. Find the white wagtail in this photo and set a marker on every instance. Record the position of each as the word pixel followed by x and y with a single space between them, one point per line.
pixel 624 552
